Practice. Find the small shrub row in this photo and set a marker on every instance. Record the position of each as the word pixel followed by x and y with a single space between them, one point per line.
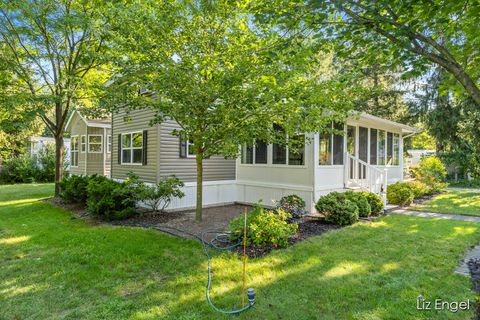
pixel 264 227
pixel 403 193
pixel 112 200
pixel 344 208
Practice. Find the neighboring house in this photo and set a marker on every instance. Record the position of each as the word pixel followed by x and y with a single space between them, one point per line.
pixel 367 157
pixel 35 144
pixel 414 156
pixel 91 145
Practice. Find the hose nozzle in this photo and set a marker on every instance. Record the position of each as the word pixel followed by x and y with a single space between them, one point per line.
pixel 251 296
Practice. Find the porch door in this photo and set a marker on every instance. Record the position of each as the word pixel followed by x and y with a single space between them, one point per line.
pixel 351 142
pixel 362 151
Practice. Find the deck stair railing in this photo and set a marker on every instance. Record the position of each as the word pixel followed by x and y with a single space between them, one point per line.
pixel 366 177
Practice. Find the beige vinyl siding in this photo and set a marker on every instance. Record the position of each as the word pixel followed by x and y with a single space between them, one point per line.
pixel 137 120
pixel 215 168
pixel 78 128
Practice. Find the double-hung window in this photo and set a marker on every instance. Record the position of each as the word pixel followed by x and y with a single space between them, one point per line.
pixel 74 152
pixel 95 142
pixel 109 144
pixel 132 148
pixel 83 143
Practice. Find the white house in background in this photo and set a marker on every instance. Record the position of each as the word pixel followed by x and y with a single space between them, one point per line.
pixel 36 144
pixel 367 157
pixel 414 156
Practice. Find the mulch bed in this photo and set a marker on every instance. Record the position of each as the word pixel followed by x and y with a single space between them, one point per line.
pixel 307 227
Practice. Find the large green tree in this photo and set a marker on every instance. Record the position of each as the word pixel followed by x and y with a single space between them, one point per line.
pixel 225 77
pixel 55 49
pixel 414 34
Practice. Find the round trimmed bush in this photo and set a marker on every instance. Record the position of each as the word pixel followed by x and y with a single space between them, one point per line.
pixel 375 202
pixel 400 193
pixel 419 188
pixel 364 209
pixel 293 205
pixel 337 208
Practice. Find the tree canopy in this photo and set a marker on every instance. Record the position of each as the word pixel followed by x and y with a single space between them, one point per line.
pixel 222 75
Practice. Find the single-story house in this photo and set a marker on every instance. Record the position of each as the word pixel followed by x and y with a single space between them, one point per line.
pixel 368 156
pixel 90 144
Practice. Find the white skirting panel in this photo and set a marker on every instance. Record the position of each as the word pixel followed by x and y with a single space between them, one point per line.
pixel 214 193
pixel 268 194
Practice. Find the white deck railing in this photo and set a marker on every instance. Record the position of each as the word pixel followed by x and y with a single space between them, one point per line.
pixel 359 174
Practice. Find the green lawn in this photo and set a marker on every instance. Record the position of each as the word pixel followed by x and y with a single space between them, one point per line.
pixel 454 202
pixel 54 267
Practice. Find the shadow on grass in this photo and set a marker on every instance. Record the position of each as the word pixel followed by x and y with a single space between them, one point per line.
pixel 53 266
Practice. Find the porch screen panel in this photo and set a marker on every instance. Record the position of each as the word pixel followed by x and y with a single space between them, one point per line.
pixel 351 148
pixel 279 152
pixel 247 154
pixel 325 156
pixel 381 148
pixel 338 144
pixel 373 146
pixel 260 152
pixel 362 150
pixel 389 148
pixel 396 149
pixel 296 155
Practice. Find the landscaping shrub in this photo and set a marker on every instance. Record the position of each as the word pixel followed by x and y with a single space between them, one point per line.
pixel 400 193
pixel 432 172
pixel 264 227
pixel 375 202
pixel 26 169
pixel 21 169
pixel 74 189
pixel 337 208
pixel 364 209
pixel 419 188
pixel 293 205
pixel 158 196
pixel 109 199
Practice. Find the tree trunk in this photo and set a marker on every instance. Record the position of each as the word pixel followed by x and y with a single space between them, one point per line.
pixel 199 160
pixel 58 162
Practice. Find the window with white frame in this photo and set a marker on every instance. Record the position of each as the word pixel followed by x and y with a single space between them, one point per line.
pixel 74 151
pixel 255 154
pixel 83 143
pixel 381 154
pixel 109 144
pixel 190 149
pixel 331 146
pixel 296 153
pixel 396 149
pixel 132 148
pixel 95 143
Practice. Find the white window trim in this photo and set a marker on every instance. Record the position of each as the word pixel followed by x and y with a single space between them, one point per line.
pixel 101 143
pixel 77 151
pixel 109 143
pixel 254 156
pixel 187 148
pixel 326 166
pixel 270 163
pixel 83 144
pixel 131 148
